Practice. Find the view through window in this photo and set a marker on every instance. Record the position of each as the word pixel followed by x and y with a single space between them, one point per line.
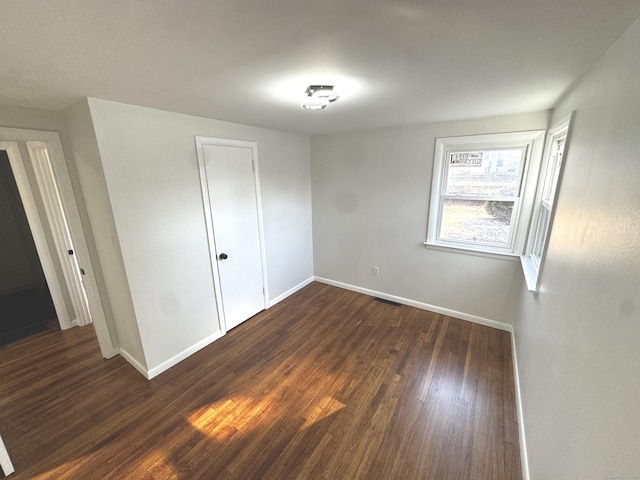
pixel 481 189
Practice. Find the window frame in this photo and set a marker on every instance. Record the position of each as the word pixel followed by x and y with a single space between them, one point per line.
pixel 532 144
pixel 546 200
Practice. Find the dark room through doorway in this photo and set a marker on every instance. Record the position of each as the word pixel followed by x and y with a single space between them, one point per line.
pixel 26 306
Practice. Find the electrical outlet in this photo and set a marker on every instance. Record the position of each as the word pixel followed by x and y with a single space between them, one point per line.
pixel 375 271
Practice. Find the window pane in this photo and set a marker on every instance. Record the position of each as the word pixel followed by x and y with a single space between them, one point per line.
pixel 541 233
pixel 487 222
pixel 553 171
pixel 487 172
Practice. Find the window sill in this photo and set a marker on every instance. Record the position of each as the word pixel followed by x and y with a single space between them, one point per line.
pixel 467 251
pixel 530 273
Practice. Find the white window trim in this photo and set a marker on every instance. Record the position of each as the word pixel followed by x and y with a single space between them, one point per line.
pixel 532 267
pixel 532 142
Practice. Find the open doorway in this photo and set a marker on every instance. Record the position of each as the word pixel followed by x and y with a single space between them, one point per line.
pixel 31 164
pixel 26 306
pixel 43 181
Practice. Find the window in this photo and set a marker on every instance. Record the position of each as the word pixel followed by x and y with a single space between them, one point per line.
pixel 483 190
pixel 545 201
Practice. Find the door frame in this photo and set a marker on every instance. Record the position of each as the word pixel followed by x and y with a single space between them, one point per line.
pixel 201 141
pixel 53 184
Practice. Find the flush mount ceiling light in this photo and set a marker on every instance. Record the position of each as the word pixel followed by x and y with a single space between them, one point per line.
pixel 318 97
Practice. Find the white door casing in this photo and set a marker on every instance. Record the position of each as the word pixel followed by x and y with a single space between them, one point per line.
pixel 41 162
pixel 231 192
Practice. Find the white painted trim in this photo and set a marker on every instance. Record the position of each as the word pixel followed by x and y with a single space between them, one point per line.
pixel 467 251
pixel 263 246
pixel 41 161
pixel 524 459
pixel 533 269
pixel 289 292
pixel 424 306
pixel 530 273
pixel 137 365
pixel 107 354
pixel 5 461
pixel 164 366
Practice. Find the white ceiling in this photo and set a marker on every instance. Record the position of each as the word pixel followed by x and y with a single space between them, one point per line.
pixel 249 61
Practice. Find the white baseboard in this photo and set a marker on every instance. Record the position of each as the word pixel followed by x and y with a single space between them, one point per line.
pixel 524 459
pixel 289 292
pixel 137 365
pixel 107 354
pixel 424 306
pixel 166 365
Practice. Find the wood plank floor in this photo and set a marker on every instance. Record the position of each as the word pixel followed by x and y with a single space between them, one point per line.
pixel 328 384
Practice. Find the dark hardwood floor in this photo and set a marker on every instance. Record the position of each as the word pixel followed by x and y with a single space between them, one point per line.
pixel 328 384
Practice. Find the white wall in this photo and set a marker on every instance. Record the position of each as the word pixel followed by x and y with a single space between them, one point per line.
pixel 371 195
pixel 150 169
pixel 578 341
pixel 99 227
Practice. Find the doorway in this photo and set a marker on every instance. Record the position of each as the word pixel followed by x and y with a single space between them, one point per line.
pixel 25 301
pixel 38 165
pixel 230 182
pixel 48 223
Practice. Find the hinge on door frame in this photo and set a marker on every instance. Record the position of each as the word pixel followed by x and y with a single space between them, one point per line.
pixel 253 165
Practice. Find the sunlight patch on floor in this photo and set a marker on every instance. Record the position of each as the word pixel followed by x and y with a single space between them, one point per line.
pixel 221 419
pixel 224 418
pixel 58 471
pixel 156 464
pixel 325 408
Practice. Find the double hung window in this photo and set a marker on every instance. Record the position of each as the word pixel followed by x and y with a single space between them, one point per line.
pixel 545 201
pixel 482 191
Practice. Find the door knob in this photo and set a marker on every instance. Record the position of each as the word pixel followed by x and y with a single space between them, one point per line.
pixel 223 256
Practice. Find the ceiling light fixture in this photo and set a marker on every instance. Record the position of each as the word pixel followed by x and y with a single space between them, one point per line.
pixel 318 97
